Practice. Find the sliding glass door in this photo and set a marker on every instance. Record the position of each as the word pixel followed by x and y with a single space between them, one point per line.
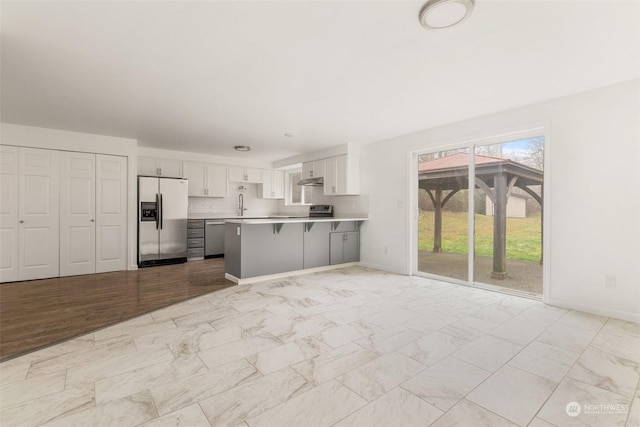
pixel 503 214
pixel 443 219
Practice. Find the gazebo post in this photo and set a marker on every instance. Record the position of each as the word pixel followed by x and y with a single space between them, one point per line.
pixel 500 227
pixel 437 221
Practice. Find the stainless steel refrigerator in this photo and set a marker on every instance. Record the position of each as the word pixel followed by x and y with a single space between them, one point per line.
pixel 162 220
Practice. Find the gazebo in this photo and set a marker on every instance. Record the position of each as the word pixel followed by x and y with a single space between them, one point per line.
pixel 495 176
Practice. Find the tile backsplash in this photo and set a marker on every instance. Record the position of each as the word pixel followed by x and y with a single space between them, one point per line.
pixel 343 205
pixel 229 205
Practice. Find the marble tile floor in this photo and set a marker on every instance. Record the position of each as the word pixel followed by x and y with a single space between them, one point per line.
pixel 348 347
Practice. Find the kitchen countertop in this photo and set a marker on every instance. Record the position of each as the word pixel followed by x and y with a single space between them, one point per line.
pixel 286 220
pixel 231 216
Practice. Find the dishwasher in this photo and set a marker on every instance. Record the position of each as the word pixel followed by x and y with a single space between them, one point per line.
pixel 214 238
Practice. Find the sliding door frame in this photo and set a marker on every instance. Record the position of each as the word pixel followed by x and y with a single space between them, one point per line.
pixel 537 129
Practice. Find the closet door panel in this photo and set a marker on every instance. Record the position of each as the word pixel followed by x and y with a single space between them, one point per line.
pixel 38 207
pixel 111 213
pixel 8 213
pixel 77 213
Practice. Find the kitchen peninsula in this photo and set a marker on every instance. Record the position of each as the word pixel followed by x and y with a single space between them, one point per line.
pixel 255 248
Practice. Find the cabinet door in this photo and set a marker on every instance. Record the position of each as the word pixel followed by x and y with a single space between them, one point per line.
pixel 277 184
pixel 170 168
pixel 330 184
pixel 253 175
pixel 318 168
pixel 77 213
pixel 195 173
pixel 38 207
pixel 307 170
pixel 237 174
pixel 8 213
pixel 336 247
pixel 148 166
pixel 111 213
pixel 267 185
pixel 352 246
pixel 217 181
pixel 341 175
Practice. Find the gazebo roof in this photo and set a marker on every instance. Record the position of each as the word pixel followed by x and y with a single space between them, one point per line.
pixel 451 171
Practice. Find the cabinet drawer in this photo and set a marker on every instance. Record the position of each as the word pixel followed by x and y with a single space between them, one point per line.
pixel 195 243
pixel 195 253
pixel 195 232
pixel 195 223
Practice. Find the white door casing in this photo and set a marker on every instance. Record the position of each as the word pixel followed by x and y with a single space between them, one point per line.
pixel 77 213
pixel 38 219
pixel 111 213
pixel 8 213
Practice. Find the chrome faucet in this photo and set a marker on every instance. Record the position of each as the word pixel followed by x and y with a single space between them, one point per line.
pixel 241 207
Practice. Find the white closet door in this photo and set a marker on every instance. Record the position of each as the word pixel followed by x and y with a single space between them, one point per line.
pixel 38 219
pixel 8 213
pixel 77 213
pixel 111 213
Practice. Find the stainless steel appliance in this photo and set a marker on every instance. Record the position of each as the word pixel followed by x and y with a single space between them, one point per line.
pixel 320 211
pixel 162 220
pixel 311 182
pixel 214 238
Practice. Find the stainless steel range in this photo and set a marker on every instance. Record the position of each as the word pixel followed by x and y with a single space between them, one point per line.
pixel 320 211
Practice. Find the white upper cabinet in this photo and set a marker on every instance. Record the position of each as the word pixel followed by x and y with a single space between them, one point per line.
pixel 341 176
pixel 217 181
pixel 248 175
pixel 206 180
pixel 313 169
pixel 153 166
pixel 273 184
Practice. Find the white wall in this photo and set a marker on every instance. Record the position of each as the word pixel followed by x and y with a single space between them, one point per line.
pixel 593 139
pixel 28 136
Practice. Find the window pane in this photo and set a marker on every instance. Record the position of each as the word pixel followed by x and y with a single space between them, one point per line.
pixel 308 194
pixel 508 220
pixel 296 190
pixel 443 225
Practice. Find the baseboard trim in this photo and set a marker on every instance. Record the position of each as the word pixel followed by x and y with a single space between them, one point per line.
pixel 616 314
pixel 384 268
pixel 257 279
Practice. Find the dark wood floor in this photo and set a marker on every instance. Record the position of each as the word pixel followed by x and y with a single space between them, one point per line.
pixel 38 313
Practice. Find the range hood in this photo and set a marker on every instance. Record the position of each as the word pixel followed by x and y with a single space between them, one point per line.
pixel 312 182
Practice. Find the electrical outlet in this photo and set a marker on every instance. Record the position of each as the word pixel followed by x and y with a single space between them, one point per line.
pixel 386 250
pixel 610 282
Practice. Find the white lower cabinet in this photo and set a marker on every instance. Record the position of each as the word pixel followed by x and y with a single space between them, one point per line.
pixel 61 213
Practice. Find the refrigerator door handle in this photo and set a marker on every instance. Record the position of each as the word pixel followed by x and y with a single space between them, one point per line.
pixel 161 208
pixel 157 211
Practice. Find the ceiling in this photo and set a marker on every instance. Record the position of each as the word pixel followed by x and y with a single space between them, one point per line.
pixel 204 76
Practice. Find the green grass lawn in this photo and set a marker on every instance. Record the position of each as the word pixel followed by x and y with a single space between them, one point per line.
pixel 523 235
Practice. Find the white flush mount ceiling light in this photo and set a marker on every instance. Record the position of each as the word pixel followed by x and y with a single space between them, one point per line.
pixel 242 148
pixel 440 14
